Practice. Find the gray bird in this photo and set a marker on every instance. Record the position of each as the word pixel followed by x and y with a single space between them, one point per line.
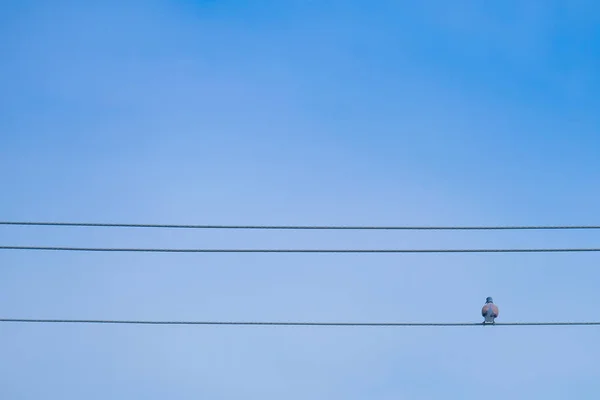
pixel 489 311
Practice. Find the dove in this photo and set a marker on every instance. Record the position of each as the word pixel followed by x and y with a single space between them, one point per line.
pixel 489 311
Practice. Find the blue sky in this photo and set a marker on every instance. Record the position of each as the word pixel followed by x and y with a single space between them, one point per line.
pixel 299 112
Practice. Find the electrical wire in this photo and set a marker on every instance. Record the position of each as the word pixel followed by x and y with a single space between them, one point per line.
pixel 298 227
pixel 172 250
pixel 267 323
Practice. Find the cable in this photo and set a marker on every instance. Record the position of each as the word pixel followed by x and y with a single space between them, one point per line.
pixel 300 227
pixel 338 324
pixel 170 250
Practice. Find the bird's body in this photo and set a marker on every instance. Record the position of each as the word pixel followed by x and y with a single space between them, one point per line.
pixel 489 311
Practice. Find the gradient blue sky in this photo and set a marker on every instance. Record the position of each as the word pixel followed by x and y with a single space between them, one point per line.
pixel 299 112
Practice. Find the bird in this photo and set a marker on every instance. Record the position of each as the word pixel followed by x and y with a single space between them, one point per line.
pixel 489 311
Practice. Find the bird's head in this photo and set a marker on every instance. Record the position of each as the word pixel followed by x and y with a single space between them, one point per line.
pixel 489 300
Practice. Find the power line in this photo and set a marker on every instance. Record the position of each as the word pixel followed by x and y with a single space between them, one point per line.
pixel 172 250
pixel 271 323
pixel 299 227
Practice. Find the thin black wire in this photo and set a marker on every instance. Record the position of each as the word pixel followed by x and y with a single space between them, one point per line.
pixel 171 250
pixel 299 227
pixel 267 323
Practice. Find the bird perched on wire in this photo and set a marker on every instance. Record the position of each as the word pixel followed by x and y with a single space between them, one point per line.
pixel 489 311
